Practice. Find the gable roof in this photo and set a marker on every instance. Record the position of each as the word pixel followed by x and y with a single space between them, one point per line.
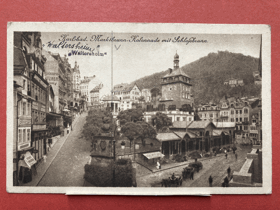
pixel 183 134
pixel 176 72
pixel 224 124
pixel 167 137
pixel 199 124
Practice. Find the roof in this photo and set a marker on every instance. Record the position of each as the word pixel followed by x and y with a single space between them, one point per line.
pixel 19 59
pixel 224 124
pixel 181 124
pixel 219 132
pixel 176 72
pixel 96 89
pixel 167 137
pixel 110 98
pixel 183 134
pixel 199 124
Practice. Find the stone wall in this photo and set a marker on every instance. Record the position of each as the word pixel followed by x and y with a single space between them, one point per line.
pixel 251 171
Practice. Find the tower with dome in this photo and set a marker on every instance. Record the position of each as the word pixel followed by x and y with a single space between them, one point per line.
pixel 176 88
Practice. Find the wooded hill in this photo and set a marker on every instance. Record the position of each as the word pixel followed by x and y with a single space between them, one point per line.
pixel 209 73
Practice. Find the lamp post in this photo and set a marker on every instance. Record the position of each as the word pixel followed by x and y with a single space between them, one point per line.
pixel 114 153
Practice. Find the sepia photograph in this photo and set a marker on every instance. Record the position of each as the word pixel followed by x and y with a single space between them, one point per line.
pixel 138 109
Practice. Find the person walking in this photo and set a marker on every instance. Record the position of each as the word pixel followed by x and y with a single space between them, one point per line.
pixel 228 170
pixel 236 156
pixel 226 181
pixel 191 175
pixel 210 181
pixel 226 155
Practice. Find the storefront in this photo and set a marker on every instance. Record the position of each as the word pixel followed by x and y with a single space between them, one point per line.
pixel 39 141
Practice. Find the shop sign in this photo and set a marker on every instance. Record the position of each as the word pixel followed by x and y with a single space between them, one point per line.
pixel 35 105
pixel 39 80
pixel 39 127
pixel 29 159
pixel 24 122
pixel 23 146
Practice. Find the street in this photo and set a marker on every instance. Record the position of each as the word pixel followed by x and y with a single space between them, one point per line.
pixel 67 169
pixel 216 167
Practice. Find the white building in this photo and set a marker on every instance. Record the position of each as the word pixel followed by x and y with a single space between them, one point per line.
pixel 86 85
pixel 128 94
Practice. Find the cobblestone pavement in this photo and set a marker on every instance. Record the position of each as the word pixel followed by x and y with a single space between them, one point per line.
pixel 216 167
pixel 67 169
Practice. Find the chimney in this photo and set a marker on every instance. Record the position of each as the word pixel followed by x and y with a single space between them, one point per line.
pixel 170 70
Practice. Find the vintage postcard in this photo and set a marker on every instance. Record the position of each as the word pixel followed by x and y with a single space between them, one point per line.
pixel 138 109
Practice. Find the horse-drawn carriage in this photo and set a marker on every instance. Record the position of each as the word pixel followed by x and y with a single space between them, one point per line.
pixel 187 172
pixel 173 181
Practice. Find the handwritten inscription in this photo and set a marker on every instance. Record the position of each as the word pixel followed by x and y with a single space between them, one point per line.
pixel 117 47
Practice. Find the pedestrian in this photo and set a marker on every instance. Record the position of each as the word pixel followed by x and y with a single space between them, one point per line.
pixel 228 170
pixel 226 181
pixel 226 155
pixel 210 181
pixel 191 175
pixel 236 156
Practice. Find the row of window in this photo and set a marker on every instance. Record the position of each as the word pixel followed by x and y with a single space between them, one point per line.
pixel 183 119
pixel 24 108
pixel 38 93
pixel 35 67
pixel 24 135
pixel 210 115
pixel 240 119
pixel 38 117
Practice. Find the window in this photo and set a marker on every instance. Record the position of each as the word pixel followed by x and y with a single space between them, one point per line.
pixel 178 118
pixel 245 119
pixel 23 135
pixel 240 111
pixel 19 135
pixel 28 111
pixel 190 119
pixel 240 119
pixel 28 135
pixel 236 120
pixel 211 115
pixel 184 118
pixel 232 119
pixel 236 112
pixel 245 111
pixel 232 111
pixel 245 127
pixel 24 84
pixel 241 128
pixel 24 108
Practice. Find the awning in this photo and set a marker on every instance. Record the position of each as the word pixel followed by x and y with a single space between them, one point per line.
pixel 153 155
pixel 54 114
pixel 66 110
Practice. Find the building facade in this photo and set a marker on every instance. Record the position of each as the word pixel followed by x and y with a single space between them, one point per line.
pixel 176 88
pixel 209 112
pixel 86 85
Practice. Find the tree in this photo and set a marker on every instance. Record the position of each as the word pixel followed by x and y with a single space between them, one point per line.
pixel 132 131
pixel 141 99
pixel 130 115
pixel 161 121
pixel 147 131
pixel 97 122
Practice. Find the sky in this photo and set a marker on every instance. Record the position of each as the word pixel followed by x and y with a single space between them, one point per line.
pixel 133 59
